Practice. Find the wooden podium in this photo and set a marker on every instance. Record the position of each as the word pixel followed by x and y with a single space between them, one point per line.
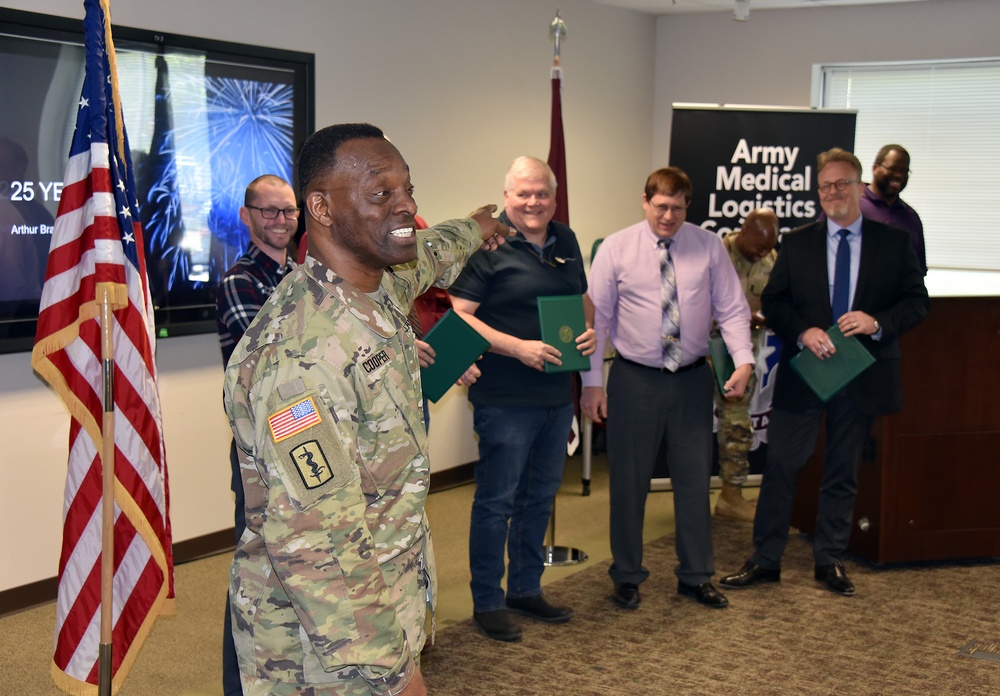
pixel 929 481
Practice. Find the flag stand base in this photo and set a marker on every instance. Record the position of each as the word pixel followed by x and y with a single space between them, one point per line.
pixel 559 555
pixel 563 555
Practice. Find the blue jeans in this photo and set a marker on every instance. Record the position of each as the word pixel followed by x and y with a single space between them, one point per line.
pixel 522 453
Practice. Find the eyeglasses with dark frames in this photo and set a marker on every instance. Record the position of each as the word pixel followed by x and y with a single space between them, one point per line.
pixel 272 213
pixel 840 185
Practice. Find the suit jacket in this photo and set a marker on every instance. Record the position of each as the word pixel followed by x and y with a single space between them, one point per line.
pixel 890 288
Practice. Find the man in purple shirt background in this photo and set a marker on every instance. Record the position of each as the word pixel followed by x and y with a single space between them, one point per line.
pixel 651 404
pixel 880 199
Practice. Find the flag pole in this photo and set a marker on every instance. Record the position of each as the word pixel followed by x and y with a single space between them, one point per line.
pixel 106 648
pixel 105 653
pixel 558 555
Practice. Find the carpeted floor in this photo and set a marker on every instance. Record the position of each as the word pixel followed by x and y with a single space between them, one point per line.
pixel 901 634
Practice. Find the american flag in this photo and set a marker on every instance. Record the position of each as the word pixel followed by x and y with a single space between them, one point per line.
pixel 96 248
pixel 294 419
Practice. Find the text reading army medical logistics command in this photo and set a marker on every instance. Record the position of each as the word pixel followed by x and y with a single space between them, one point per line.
pixel 774 186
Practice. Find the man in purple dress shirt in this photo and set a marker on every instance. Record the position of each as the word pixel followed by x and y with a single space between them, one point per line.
pixel 650 404
pixel 880 199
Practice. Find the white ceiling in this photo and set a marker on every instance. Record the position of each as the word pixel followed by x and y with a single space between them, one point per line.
pixel 662 7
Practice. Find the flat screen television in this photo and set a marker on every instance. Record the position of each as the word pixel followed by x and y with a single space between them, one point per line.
pixel 204 118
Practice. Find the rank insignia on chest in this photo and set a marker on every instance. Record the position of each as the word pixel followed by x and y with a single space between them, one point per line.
pixel 293 419
pixel 311 464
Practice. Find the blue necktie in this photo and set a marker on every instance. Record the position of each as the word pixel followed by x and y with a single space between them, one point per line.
pixel 842 277
pixel 670 330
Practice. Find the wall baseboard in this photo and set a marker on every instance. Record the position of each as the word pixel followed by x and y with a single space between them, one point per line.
pixel 453 477
pixel 37 593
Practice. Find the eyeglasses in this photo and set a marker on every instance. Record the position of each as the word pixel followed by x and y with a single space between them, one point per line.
pixel 662 210
pixel 898 171
pixel 840 185
pixel 272 213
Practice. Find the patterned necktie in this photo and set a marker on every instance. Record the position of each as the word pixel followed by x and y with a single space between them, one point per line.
pixel 842 277
pixel 670 330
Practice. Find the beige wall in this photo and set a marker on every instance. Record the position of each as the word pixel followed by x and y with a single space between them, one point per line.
pixel 709 58
pixel 462 88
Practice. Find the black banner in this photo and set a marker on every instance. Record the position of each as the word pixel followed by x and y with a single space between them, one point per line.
pixel 742 158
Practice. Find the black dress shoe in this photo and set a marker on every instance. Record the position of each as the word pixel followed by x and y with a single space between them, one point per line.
pixel 705 593
pixel 537 607
pixel 626 595
pixel 497 625
pixel 834 578
pixel 750 574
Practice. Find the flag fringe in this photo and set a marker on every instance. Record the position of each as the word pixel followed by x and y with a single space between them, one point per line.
pixel 75 687
pixel 53 343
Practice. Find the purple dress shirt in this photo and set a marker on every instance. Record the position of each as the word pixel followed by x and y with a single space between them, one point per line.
pixel 900 215
pixel 625 288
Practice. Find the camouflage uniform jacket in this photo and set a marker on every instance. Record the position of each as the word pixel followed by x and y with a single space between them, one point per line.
pixel 331 580
pixel 753 276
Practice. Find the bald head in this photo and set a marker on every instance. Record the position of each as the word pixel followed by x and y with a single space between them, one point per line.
pixel 758 236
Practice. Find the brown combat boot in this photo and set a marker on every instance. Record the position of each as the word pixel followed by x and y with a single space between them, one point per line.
pixel 731 503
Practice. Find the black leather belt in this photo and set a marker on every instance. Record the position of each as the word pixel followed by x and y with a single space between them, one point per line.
pixel 690 366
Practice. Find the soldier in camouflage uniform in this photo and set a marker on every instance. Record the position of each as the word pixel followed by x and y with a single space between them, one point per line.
pixel 752 253
pixel 332 579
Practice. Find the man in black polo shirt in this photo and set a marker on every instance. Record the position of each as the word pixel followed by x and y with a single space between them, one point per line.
pixel 522 415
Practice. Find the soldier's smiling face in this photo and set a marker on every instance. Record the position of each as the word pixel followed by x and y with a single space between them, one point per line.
pixel 370 204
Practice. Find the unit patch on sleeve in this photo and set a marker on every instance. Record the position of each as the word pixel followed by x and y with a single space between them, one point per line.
pixel 311 464
pixel 293 419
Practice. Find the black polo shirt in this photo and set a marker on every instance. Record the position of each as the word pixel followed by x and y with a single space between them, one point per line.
pixel 507 283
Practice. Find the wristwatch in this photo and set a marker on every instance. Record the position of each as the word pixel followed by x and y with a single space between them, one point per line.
pixel 876 325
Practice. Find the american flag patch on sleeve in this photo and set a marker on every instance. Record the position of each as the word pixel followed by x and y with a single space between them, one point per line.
pixel 292 420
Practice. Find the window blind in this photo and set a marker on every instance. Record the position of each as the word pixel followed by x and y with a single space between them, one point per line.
pixel 947 115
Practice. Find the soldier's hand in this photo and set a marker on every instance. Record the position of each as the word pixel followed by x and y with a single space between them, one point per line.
pixel 425 354
pixel 416 687
pixel 494 231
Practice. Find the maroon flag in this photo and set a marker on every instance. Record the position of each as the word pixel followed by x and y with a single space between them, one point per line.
pixel 97 250
pixel 557 149
pixel 557 162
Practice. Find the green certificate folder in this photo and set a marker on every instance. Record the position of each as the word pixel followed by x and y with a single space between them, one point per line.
pixel 561 318
pixel 456 346
pixel 722 362
pixel 829 376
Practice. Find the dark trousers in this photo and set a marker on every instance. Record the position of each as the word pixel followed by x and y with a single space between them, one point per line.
pixel 791 441
pixel 231 685
pixel 647 407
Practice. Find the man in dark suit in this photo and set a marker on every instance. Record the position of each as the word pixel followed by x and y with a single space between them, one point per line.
pixel 864 276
